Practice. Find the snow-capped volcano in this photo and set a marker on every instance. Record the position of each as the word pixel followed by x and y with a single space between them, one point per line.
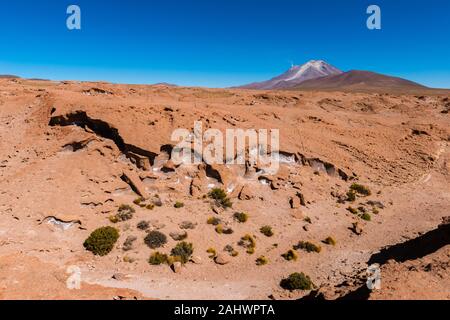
pixel 297 74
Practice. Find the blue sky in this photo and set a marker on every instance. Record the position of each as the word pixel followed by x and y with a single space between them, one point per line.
pixel 221 43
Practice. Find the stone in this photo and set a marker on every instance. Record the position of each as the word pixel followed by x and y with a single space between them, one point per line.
pixel 246 193
pixel 222 259
pixel 135 183
pixel 196 260
pixel 177 267
pixel 178 236
pixel 187 225
pixel 356 228
pixel 119 277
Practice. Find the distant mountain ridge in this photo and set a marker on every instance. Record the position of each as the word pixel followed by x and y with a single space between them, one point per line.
pixel 358 79
pixel 296 75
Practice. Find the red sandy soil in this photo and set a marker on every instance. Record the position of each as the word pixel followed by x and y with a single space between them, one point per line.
pixel 398 145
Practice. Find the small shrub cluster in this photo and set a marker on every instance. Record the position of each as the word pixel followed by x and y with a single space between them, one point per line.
pixel 261 261
pixel 212 253
pixel 231 251
pixel 297 281
pixel 102 241
pixel 155 239
pixel 182 252
pixel 143 225
pixel 125 213
pixel 241 217
pixel 214 221
pixel 291 255
pixel 179 205
pixel 220 229
pixel 360 189
pixel 249 243
pixel 360 212
pixel 267 231
pixel 158 258
pixel 308 246
pixel 220 196
pixel 330 241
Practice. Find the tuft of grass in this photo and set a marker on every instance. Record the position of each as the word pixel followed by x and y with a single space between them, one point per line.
pixel 366 216
pixel 360 189
pixel 297 281
pixel 308 246
pixel 330 241
pixel 102 241
pixel 212 253
pixel 182 252
pixel 291 255
pixel 138 201
pixel 155 239
pixel 214 221
pixel 267 231
pixel 220 196
pixel 158 258
pixel 352 210
pixel 143 225
pixel 125 213
pixel 249 243
pixel 241 217
pixel 261 261
pixel 150 206
pixel 351 196
pixel 308 220
pixel 179 205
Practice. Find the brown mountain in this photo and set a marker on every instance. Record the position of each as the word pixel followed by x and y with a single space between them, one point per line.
pixel 359 80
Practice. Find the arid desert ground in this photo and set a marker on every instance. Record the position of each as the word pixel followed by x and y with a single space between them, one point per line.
pixel 71 154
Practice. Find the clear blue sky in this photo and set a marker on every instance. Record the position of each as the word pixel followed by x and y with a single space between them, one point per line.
pixel 221 43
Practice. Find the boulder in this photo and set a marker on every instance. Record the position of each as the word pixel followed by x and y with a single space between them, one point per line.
pixel 135 183
pixel 222 259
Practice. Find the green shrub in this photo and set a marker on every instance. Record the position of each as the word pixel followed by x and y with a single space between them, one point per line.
pixel 297 281
pixel 308 246
pixel 143 225
pixel 290 255
pixel 102 241
pixel 220 196
pixel 125 213
pixel 261 261
pixel 179 205
pixel 267 231
pixel 212 253
pixel 360 189
pixel 241 217
pixel 157 259
pixel 214 221
pixel 330 241
pixel 183 251
pixel 155 239
pixel 351 196
pixel 150 206
pixel 138 201
pixel 352 210
pixel 220 229
pixel 249 243
pixel 366 216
